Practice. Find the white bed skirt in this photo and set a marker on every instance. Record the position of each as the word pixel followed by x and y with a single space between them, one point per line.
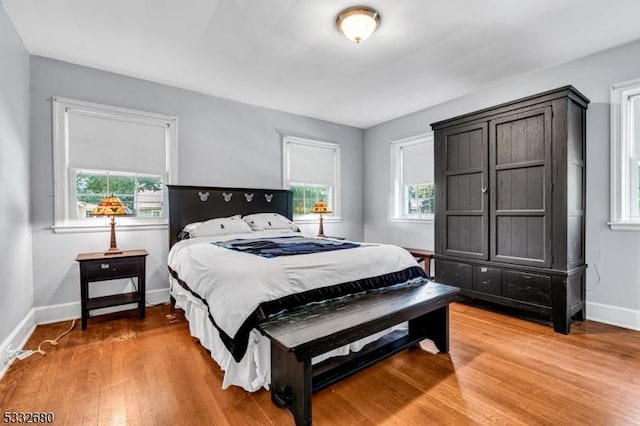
pixel 254 369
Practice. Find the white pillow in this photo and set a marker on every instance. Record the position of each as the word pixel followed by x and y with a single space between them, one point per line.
pixel 213 227
pixel 190 228
pixel 220 226
pixel 263 221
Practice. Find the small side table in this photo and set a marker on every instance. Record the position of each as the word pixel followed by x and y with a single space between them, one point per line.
pixel 102 267
pixel 420 255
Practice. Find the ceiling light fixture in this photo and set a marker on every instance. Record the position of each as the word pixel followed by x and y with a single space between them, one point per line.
pixel 358 23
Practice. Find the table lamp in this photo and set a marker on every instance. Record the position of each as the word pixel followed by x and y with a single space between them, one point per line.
pixel 321 207
pixel 111 206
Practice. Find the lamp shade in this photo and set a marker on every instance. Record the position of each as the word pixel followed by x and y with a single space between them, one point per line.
pixel 321 207
pixel 110 206
pixel 358 23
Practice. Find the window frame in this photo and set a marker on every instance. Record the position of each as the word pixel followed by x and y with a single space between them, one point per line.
pixel 336 208
pixel 397 190
pixel 622 135
pixel 63 184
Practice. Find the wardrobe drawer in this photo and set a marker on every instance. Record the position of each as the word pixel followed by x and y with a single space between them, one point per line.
pixel 487 280
pixel 457 274
pixel 531 288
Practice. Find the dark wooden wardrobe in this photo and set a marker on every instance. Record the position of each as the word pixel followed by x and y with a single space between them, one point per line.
pixel 510 204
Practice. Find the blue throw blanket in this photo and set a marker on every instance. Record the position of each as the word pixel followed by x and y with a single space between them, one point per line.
pixel 285 246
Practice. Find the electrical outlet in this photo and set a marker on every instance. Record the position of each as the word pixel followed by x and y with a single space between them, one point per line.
pixel 23 354
pixel 7 355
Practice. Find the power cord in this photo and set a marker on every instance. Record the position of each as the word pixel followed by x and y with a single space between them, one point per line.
pixel 54 342
pixel 593 286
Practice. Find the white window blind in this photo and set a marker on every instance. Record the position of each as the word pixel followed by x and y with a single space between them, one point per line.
pixel 108 143
pixel 417 163
pixel 311 163
pixel 634 167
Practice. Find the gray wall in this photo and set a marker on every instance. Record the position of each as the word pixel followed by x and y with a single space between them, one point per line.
pixel 16 285
pixel 613 276
pixel 221 142
pixel 228 143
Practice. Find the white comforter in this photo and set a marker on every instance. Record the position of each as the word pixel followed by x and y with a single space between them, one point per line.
pixel 235 283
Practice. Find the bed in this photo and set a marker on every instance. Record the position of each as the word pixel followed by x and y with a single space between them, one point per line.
pixel 226 291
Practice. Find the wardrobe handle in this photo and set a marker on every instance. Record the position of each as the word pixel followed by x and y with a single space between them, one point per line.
pixel 483 190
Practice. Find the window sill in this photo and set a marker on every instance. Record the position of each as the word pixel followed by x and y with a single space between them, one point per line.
pixel 317 220
pixel 73 229
pixel 624 226
pixel 411 220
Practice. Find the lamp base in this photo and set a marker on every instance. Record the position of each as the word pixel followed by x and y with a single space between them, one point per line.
pixel 114 247
pixel 321 229
pixel 112 251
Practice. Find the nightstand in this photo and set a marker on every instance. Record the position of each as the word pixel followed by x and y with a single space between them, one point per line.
pixel 100 267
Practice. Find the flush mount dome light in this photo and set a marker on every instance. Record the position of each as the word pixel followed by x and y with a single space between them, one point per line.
pixel 358 23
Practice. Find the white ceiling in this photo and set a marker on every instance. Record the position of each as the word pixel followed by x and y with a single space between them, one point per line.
pixel 287 54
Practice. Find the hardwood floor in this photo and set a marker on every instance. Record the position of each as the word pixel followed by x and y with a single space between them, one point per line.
pixel 501 370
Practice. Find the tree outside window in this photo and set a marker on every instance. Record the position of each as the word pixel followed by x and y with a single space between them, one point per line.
pixel 305 196
pixel 419 199
pixel 142 194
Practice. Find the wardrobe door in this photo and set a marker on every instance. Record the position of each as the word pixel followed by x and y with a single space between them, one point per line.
pixel 520 181
pixel 464 176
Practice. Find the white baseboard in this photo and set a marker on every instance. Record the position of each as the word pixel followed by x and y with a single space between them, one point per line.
pixel 69 311
pixel 16 340
pixel 614 315
pixel 56 313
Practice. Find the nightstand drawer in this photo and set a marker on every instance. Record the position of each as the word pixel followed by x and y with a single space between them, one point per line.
pixel 110 269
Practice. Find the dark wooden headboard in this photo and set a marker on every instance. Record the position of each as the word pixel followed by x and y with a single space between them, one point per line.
pixel 189 204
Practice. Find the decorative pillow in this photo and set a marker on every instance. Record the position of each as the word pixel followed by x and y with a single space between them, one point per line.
pixel 263 221
pixel 187 231
pixel 221 226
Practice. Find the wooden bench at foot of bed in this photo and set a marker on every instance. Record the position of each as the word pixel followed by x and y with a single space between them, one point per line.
pixel 300 335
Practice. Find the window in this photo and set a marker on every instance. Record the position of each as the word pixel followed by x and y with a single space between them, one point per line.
pixel 101 150
pixel 412 178
pixel 625 156
pixel 142 194
pixel 305 196
pixel 311 169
